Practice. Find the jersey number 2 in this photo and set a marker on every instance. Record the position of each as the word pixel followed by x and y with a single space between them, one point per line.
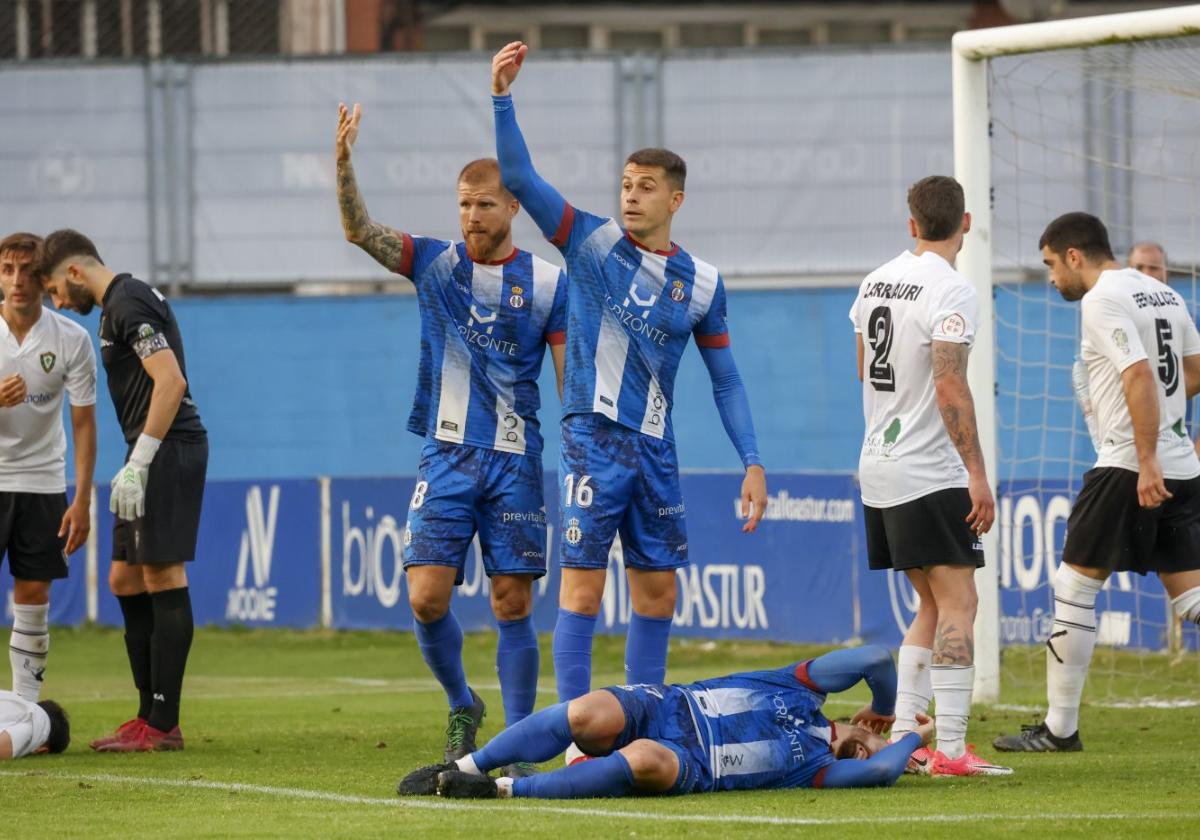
pixel 1168 362
pixel 879 333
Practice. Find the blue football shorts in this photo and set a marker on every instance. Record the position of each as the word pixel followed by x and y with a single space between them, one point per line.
pixel 661 713
pixel 464 489
pixel 612 480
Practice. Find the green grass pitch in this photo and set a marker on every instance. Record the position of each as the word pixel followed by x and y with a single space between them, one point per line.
pixel 304 734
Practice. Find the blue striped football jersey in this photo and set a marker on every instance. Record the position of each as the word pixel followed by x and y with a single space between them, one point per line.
pixel 484 331
pixel 762 729
pixel 631 311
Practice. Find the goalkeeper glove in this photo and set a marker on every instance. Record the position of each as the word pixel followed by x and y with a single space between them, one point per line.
pixel 1083 395
pixel 128 499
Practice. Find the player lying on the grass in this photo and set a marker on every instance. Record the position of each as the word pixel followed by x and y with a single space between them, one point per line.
pixel 30 728
pixel 762 729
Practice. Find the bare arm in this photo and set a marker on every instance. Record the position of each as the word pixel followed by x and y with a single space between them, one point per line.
pixel 1141 396
pixel 6 746
pixel 169 388
pixel 558 354
pixel 383 243
pixel 859 342
pixel 77 520
pixel 957 408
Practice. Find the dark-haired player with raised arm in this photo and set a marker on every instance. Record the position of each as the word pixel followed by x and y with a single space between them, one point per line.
pixel 157 494
pixel 634 301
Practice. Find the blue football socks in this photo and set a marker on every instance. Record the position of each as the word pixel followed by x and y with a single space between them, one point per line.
pixel 600 777
pixel 573 653
pixel 646 650
pixel 441 644
pixel 517 665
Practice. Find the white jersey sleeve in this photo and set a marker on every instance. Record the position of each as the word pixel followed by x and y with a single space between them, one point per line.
pixel 854 307
pixel 1109 328
pixel 81 371
pixel 1191 339
pixel 954 315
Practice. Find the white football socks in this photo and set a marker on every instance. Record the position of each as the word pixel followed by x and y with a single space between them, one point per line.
pixel 1069 648
pixel 913 688
pixel 953 686
pixel 27 648
pixel 1187 605
pixel 467 765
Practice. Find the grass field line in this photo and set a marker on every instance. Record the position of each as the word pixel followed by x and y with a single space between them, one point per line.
pixel 527 807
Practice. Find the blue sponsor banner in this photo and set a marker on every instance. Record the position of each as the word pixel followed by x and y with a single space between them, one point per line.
pixel 258 555
pixel 792 580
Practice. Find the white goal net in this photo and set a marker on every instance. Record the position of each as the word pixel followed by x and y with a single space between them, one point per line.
pixel 1112 129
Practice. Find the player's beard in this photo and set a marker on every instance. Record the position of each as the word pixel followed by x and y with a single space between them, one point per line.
pixel 80 298
pixel 481 244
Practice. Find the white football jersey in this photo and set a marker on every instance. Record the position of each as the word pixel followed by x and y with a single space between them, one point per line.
pixel 901 309
pixel 55 357
pixel 27 724
pixel 1127 317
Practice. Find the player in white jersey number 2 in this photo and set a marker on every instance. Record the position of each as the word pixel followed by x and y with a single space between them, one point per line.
pixel 925 491
pixel 1139 507
pixel 42 356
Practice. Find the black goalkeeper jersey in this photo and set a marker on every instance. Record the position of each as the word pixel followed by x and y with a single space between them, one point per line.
pixel 136 323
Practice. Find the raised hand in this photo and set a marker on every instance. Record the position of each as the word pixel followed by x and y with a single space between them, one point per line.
pixel 868 718
pixel 506 64
pixel 347 130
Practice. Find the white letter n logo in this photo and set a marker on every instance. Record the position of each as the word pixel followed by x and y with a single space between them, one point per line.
pixel 258 540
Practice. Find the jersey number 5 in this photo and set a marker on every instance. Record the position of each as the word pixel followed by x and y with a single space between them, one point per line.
pixel 879 333
pixel 1168 362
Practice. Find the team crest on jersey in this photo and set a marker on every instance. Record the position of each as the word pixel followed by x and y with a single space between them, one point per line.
pixel 677 293
pixel 47 360
pixel 145 331
pixel 515 300
pixel 1121 340
pixel 573 534
pixel 954 325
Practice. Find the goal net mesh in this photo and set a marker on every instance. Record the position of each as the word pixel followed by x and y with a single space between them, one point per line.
pixel 1113 130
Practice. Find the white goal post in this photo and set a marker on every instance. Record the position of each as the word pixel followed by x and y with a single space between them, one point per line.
pixel 972 167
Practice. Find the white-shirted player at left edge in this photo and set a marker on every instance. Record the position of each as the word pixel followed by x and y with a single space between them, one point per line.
pixel 42 356
pixel 28 728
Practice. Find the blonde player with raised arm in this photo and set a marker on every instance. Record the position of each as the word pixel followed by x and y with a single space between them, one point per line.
pixel 925 489
pixel 1139 507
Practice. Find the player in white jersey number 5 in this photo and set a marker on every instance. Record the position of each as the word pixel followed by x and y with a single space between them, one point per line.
pixel 1139 507
pixel 925 489
pixel 42 356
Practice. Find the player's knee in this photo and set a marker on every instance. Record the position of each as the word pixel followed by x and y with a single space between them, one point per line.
pixel 512 597
pixel 654 767
pixel 31 592
pixel 581 718
pixel 426 607
pixel 124 579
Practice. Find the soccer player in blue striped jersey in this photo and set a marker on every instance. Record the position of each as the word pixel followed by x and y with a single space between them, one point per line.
pixel 751 731
pixel 488 312
pixel 634 301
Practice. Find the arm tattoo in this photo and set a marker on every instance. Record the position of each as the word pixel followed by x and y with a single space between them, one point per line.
pixel 381 242
pixel 957 407
pixel 953 645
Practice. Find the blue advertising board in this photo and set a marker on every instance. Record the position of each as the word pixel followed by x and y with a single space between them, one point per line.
pixel 258 555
